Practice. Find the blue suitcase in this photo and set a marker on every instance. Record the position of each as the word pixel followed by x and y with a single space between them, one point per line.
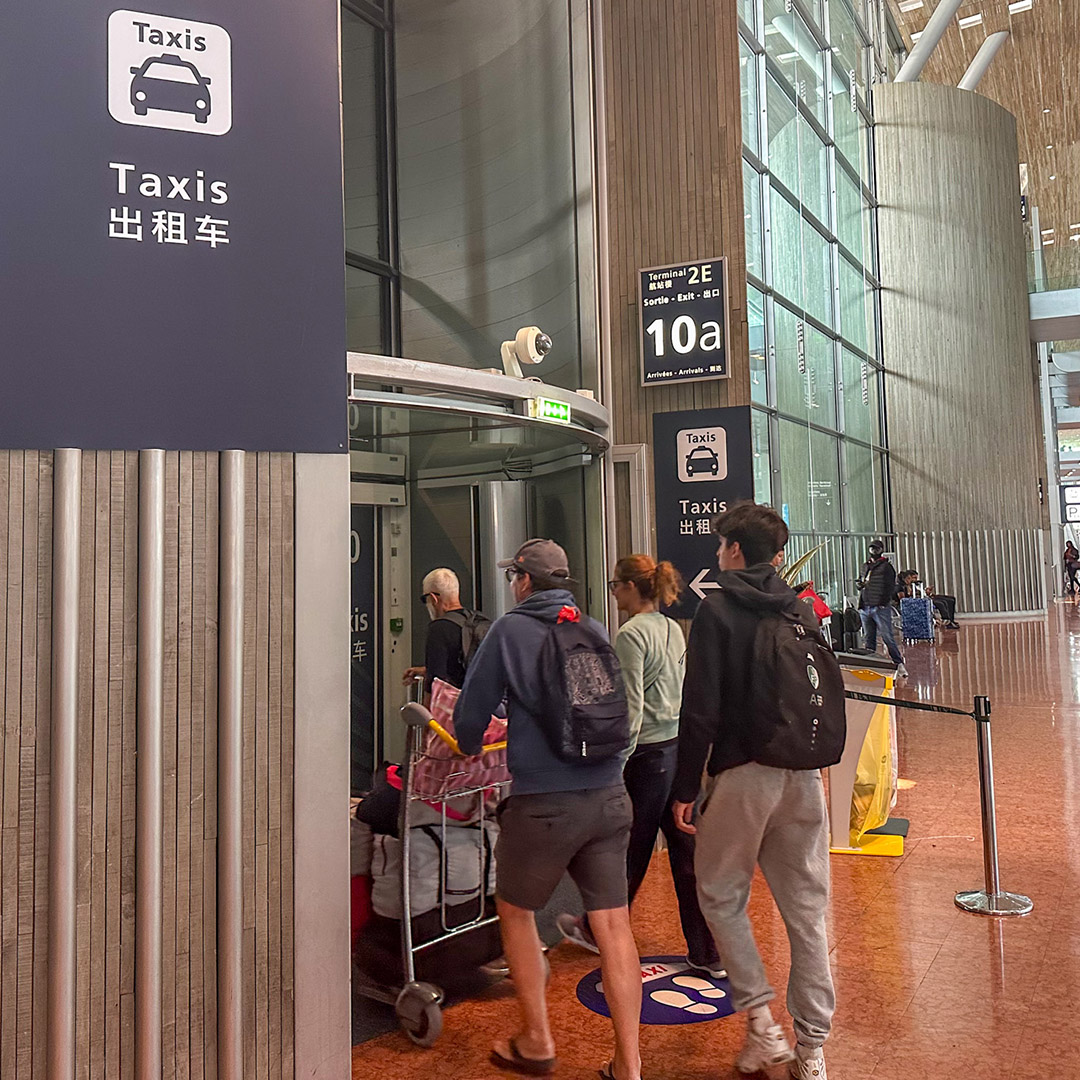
pixel 917 618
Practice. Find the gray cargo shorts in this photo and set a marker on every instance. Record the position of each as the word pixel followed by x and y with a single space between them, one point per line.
pixel 583 833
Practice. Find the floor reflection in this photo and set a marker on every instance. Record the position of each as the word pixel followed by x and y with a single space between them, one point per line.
pixel 923 989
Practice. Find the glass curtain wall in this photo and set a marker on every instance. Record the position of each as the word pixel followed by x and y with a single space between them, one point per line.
pixel 812 273
pixel 372 277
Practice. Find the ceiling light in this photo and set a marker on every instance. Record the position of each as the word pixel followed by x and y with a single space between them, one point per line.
pixel 1053 176
pixel 910 5
pixel 1076 226
pixel 915 37
pixel 785 57
pixel 1047 232
pixel 971 20
pixel 1049 146
pixel 1046 110
pixel 1018 6
pixel 1047 243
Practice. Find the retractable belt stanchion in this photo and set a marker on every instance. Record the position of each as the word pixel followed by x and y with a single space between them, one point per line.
pixel 991 900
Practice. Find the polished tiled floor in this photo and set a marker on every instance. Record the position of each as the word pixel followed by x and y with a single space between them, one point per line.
pixel 924 991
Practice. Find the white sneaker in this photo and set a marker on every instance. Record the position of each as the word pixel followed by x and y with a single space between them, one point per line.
pixel 715 970
pixel 901 671
pixel 573 930
pixel 809 1064
pixel 766 1043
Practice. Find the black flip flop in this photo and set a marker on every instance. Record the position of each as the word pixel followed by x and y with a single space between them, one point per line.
pixel 525 1066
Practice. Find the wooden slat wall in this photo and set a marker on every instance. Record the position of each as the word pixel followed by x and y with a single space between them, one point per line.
pixel 106 765
pixel 26 588
pixel 674 138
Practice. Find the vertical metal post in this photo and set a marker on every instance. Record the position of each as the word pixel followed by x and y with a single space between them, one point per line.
pixel 67 497
pixel 230 867
pixel 149 780
pixel 991 900
pixel 992 873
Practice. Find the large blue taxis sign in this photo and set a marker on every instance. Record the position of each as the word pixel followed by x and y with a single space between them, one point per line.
pixel 171 227
pixel 684 322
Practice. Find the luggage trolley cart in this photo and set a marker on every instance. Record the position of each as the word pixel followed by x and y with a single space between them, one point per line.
pixel 418 1005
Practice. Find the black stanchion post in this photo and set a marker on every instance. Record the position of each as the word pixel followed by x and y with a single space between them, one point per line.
pixel 991 900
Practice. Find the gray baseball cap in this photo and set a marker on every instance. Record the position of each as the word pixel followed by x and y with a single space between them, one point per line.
pixel 540 558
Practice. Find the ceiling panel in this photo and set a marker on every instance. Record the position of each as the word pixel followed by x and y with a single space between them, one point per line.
pixel 1035 76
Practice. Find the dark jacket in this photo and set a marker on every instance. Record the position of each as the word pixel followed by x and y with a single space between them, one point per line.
pixel 880 587
pixel 507 665
pixel 719 670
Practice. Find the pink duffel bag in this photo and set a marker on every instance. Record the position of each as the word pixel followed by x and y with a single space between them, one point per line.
pixel 441 772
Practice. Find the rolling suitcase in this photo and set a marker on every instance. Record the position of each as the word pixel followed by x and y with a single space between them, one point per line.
pixel 917 618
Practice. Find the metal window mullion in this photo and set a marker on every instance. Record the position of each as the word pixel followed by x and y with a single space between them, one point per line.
pixel 751 42
pixel 780 76
pixel 776 481
pixel 393 234
pixel 372 265
pixel 770 350
pixel 364 9
pixel 807 16
pixel 816 125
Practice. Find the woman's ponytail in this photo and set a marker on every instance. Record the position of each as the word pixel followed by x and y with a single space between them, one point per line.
pixel 653 580
pixel 667 583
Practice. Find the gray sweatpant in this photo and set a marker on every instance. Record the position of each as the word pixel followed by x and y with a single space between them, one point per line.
pixel 775 817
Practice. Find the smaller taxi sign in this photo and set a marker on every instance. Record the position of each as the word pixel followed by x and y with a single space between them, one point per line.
pixel 557 412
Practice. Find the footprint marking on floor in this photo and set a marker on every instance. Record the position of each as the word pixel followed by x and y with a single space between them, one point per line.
pixel 699 986
pixel 677 1000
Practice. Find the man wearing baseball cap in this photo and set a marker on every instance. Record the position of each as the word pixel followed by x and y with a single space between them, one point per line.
pixel 561 816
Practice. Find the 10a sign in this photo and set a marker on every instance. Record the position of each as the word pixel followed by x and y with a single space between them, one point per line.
pixel 684 322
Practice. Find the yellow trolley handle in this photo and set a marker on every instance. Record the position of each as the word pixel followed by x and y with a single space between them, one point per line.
pixel 453 743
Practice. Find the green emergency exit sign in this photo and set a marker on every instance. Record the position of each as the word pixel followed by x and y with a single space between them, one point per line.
pixel 556 412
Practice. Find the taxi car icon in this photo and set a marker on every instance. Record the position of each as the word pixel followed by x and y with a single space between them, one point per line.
pixel 702 459
pixel 172 84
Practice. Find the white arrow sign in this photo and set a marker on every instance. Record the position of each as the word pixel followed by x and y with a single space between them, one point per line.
pixel 699 584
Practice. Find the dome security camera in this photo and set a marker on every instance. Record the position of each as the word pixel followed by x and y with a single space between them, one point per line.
pixel 530 346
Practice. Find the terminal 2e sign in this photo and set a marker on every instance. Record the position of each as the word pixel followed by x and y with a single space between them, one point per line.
pixel 171 229
pixel 684 322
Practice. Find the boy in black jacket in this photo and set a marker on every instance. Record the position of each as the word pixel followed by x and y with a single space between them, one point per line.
pixel 752 813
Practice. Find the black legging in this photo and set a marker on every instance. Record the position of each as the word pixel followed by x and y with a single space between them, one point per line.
pixel 649 774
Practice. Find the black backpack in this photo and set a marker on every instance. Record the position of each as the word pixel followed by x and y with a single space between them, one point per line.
pixel 585 713
pixel 474 627
pixel 796 713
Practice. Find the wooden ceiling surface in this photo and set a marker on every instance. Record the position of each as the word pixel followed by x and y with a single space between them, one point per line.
pixel 1035 70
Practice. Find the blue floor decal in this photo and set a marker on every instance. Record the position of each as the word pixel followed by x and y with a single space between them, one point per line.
pixel 672 993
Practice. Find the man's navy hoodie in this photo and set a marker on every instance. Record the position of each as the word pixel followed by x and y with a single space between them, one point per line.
pixel 507 665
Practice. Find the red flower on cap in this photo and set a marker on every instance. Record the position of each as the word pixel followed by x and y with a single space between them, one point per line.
pixel 568 614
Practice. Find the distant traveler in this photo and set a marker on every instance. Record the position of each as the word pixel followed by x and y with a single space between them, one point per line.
pixel 877 590
pixel 651 650
pixel 763 704
pixel 454 635
pixel 908 584
pixel 1072 566
pixel 568 809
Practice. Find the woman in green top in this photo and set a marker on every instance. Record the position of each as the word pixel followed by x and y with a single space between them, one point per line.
pixel 650 647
